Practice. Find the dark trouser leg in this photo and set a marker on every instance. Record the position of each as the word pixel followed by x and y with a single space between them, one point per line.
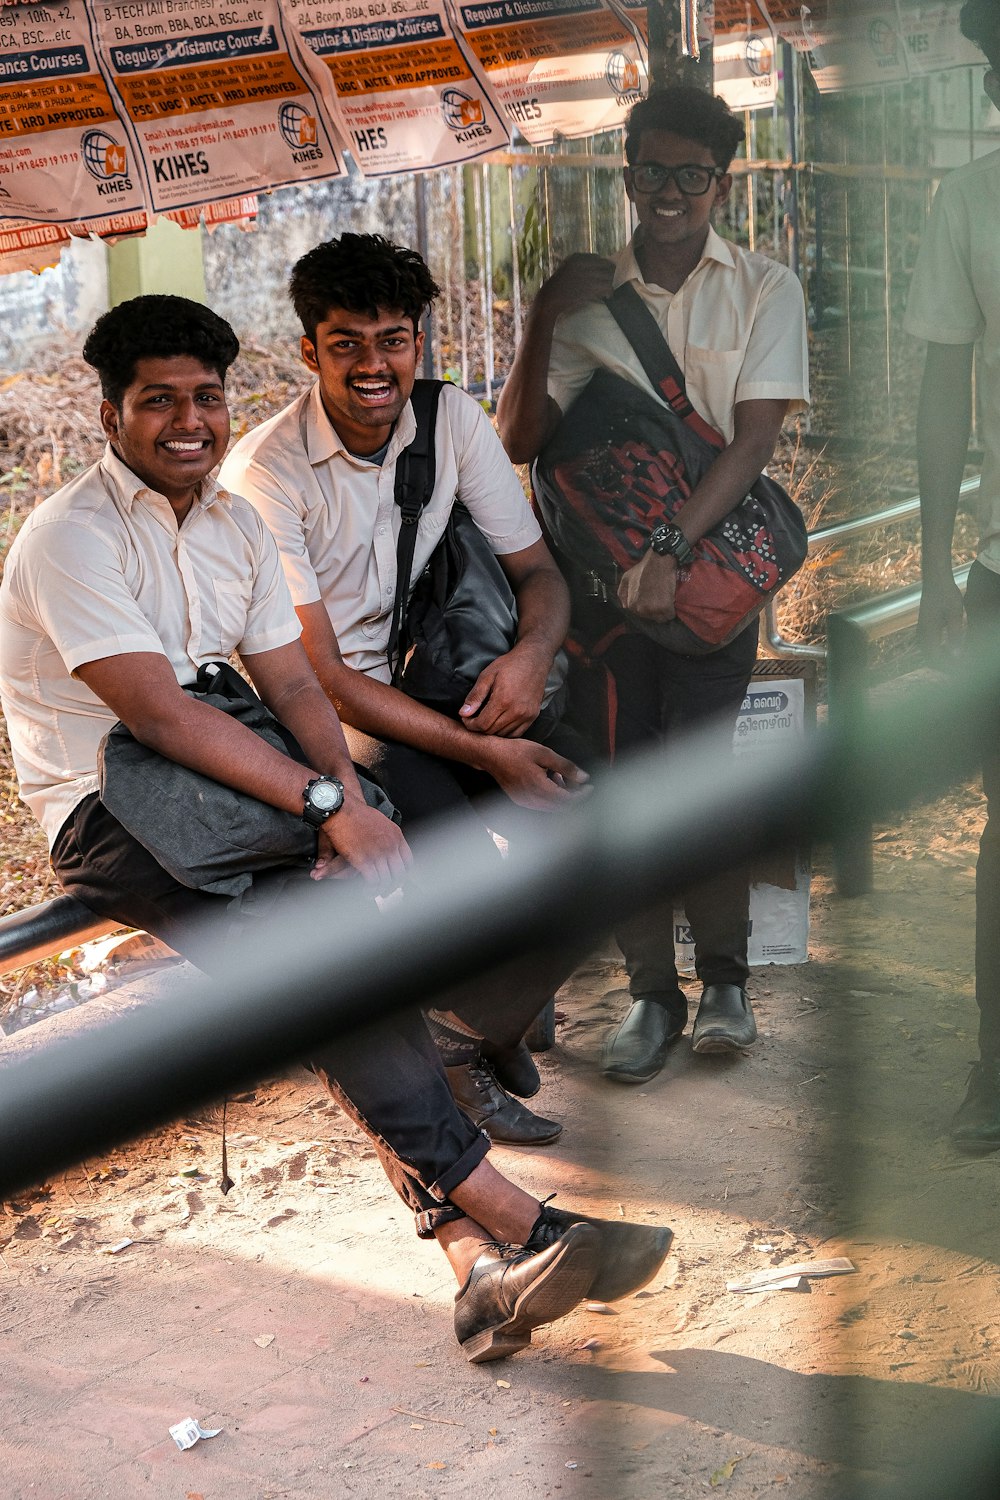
pixel 982 602
pixel 660 697
pixel 501 1005
pixel 388 1078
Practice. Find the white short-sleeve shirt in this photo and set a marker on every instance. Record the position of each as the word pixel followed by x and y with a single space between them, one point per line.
pixel 102 569
pixel 737 328
pixel 335 520
pixel 955 299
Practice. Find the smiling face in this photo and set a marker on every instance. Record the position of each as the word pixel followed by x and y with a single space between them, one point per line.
pixel 366 368
pixel 173 426
pixel 675 224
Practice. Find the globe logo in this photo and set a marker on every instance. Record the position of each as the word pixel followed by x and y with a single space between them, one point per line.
pixel 460 112
pixel 297 126
pixel 759 56
pixel 622 74
pixel 883 39
pixel 103 156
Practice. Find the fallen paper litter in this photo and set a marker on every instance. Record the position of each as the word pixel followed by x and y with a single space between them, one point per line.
pixel 600 1307
pixel 790 1276
pixel 185 1434
pixel 263 1339
pixel 117 1249
pixel 572 1466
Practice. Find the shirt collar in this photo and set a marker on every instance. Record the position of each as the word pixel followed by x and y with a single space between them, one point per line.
pixel 323 441
pixel 129 487
pixel 716 248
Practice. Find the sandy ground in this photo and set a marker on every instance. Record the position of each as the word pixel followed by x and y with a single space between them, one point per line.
pixel 301 1316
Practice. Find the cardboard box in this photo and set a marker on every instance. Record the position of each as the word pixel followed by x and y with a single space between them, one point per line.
pixel 780 706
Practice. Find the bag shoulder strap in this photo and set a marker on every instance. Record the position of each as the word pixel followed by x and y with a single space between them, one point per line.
pixel 657 358
pixel 415 474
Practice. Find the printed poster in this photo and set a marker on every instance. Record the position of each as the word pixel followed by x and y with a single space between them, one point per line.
pixel 216 105
pixel 855 49
pixel 64 153
pixel 934 40
pixel 398 81
pixel 557 67
pixel 745 54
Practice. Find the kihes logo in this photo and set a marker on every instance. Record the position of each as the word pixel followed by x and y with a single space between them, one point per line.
pixel 107 162
pixel 464 115
pixel 760 57
pixel 624 76
pixel 299 132
pixel 884 41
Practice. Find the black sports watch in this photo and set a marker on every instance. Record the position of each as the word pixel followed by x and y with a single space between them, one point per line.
pixel 323 796
pixel 667 539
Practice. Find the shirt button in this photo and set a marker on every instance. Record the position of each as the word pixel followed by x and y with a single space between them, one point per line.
pixel 381 531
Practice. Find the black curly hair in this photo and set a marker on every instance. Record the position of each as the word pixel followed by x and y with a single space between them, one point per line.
pixel 688 112
pixel 362 273
pixel 979 20
pixel 156 326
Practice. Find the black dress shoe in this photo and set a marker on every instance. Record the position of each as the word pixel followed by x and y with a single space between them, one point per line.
pixel 630 1254
pixel 506 1121
pixel 514 1068
pixel 724 1022
pixel 634 1052
pixel 976 1126
pixel 510 1291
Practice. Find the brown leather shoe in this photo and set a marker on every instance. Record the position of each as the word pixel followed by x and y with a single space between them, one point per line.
pixel 630 1254
pixel 511 1290
pixel 506 1121
pixel 513 1068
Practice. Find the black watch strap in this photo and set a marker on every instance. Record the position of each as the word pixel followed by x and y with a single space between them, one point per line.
pixel 668 540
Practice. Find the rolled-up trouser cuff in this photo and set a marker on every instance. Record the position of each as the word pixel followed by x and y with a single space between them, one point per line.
pixel 461 1169
pixel 431 1219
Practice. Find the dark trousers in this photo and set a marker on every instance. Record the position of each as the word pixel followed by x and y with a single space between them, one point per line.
pixel 660 697
pixel 502 1004
pixel 388 1078
pixel 982 606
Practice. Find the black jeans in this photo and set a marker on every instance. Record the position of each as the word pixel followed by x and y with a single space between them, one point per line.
pixel 982 606
pixel 661 696
pixel 388 1077
pixel 502 1004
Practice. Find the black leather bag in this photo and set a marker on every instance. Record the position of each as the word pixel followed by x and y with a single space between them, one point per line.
pixel 620 462
pixel 208 836
pixel 461 615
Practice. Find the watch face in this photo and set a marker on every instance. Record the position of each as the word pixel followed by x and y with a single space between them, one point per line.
pixel 326 796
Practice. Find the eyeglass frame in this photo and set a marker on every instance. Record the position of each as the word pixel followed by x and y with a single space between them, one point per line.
pixel 670 174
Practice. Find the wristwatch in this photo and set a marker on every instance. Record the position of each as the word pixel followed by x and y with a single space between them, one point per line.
pixel 323 796
pixel 667 539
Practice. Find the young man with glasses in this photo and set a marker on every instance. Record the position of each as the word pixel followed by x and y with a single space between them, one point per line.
pixel 735 322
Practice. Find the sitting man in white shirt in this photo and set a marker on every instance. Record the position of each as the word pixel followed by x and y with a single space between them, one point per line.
pixel 735 323
pixel 116 591
pixel 322 474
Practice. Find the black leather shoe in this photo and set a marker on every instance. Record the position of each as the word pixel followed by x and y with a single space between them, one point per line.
pixel 724 1022
pixel 976 1126
pixel 634 1052
pixel 510 1291
pixel 514 1068
pixel 505 1120
pixel 630 1254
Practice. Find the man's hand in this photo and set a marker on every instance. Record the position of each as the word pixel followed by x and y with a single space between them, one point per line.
pixel 532 775
pixel 648 588
pixel 941 623
pixel 579 280
pixel 367 841
pixel 507 696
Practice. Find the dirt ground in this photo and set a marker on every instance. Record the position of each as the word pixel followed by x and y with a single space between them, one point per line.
pixel 301 1317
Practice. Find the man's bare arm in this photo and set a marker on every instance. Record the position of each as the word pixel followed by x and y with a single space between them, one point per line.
pixel 944 422
pixel 527 416
pixel 530 774
pixel 140 687
pixel 648 588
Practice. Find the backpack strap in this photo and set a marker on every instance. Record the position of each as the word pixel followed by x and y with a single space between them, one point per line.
pixel 415 474
pixel 657 358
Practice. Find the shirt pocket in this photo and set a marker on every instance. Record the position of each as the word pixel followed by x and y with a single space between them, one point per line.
pixel 232 607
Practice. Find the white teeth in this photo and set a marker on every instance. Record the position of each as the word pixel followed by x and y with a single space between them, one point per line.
pixel 177 447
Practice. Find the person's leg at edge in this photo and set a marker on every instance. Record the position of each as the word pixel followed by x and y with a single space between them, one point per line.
pixel 976 1125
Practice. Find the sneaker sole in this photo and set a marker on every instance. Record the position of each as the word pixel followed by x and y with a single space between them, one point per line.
pixel 565 1283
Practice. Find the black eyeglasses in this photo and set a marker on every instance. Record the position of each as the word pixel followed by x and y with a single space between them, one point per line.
pixel 691 178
